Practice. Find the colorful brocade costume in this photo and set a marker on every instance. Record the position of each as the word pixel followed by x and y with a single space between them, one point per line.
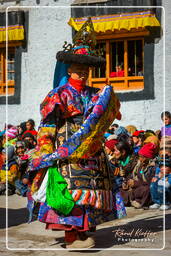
pixel 71 136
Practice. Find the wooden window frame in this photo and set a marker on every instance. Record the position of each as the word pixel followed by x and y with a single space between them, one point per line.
pixel 3 62
pixel 126 83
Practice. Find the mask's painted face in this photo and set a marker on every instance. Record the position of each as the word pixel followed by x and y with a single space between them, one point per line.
pixel 78 72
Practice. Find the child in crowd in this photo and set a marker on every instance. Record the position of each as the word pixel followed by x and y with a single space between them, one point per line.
pixel 138 139
pixel 166 118
pixel 162 178
pixel 11 168
pixel 21 184
pixel 30 127
pixel 136 189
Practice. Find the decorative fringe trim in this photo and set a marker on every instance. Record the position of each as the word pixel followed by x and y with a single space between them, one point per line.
pixel 99 199
pixel 15 33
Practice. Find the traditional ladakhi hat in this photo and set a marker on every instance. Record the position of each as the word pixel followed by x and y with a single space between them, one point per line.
pixel 131 129
pixel 153 139
pixel 12 132
pixel 110 144
pixel 82 51
pixel 148 150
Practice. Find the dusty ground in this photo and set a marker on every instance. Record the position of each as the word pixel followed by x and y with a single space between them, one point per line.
pixel 140 229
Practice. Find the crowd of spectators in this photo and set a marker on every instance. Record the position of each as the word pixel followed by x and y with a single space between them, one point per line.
pixel 140 161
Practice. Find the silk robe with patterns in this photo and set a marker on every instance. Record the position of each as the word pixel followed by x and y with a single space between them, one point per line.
pixel 81 160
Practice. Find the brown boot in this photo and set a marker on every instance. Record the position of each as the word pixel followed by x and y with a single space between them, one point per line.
pixel 135 204
pixel 81 244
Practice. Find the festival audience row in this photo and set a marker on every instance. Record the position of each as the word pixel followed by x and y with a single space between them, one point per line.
pixel 140 161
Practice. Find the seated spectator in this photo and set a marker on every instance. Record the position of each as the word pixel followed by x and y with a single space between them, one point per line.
pixel 30 127
pixel 165 143
pixel 21 130
pixel 160 179
pixel 29 140
pixel 12 168
pixel 109 147
pixel 166 118
pixel 160 183
pixel 122 160
pixel 136 189
pixel 153 139
pixel 22 160
pixel 138 139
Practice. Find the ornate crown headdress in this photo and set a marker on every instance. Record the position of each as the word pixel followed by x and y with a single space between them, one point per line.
pixel 83 50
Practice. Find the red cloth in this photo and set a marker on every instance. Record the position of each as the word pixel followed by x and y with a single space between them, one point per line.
pixel 1 160
pixel 137 133
pixel 77 84
pixel 148 150
pixel 76 212
pixel 65 227
pixel 110 144
pixel 117 74
pixel 33 132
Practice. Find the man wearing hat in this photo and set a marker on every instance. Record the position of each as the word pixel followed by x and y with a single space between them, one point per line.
pixel 74 119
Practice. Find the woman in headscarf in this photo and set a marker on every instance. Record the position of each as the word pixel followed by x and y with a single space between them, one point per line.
pixel 12 169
